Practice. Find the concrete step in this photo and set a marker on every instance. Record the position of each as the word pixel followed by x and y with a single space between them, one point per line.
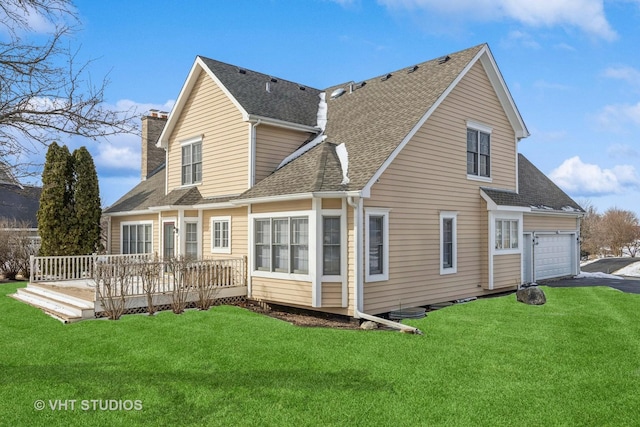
pixel 58 296
pixel 55 305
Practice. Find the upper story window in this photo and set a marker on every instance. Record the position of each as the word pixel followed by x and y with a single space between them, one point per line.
pixel 479 151
pixel 192 162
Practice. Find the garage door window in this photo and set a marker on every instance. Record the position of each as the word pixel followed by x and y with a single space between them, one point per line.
pixel 506 234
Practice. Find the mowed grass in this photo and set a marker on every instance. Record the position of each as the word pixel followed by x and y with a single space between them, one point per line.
pixel 573 361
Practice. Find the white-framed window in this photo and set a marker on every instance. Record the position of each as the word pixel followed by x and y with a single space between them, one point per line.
pixel 331 245
pixel 137 237
pixel 448 242
pixel 376 244
pixel 191 240
pixel 282 244
pixel 478 150
pixel 192 162
pixel 221 234
pixel 507 232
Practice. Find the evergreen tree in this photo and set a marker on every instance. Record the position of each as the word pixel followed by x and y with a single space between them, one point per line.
pixel 56 212
pixel 88 211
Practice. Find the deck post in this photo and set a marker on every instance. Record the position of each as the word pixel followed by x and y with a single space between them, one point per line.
pixel 31 267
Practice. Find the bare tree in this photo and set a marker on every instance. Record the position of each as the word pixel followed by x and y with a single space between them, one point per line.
pixel 44 91
pixel 590 229
pixel 620 231
pixel 17 244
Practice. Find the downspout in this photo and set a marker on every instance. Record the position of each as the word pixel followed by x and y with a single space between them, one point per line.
pixel 252 153
pixel 358 274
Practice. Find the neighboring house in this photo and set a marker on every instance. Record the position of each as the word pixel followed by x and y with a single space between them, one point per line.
pixel 18 205
pixel 402 190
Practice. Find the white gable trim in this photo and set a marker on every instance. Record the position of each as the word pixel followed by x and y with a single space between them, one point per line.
pixel 484 55
pixel 502 91
pixel 198 67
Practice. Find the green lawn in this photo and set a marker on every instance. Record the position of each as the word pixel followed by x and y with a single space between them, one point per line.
pixel 573 361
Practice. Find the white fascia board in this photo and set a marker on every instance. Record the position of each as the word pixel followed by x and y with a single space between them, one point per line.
pixel 221 205
pixel 501 89
pixel 410 135
pixel 129 213
pixel 542 212
pixel 252 118
pixel 299 196
pixel 198 67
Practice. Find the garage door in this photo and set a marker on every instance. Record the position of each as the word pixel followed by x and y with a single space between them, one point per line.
pixel 554 256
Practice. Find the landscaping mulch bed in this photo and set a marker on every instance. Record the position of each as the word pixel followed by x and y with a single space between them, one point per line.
pixel 305 318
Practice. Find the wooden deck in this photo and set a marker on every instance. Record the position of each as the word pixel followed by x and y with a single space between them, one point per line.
pixel 74 288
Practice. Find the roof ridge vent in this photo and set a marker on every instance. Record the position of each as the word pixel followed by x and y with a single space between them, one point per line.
pixel 338 93
pixel 242 71
pixel 361 84
pixel 302 87
pixel 443 59
pixel 412 69
pixel 387 77
pixel 273 79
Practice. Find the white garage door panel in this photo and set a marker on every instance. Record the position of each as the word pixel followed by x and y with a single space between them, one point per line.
pixel 553 256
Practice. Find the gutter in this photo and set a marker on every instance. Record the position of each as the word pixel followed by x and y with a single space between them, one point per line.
pixel 358 274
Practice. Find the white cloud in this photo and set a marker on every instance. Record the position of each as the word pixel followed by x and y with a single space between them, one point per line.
pixel 624 73
pixel 587 15
pixel 121 152
pixel 521 38
pixel 622 151
pixel 618 116
pixel 584 179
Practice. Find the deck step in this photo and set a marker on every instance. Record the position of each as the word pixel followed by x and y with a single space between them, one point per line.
pixel 56 305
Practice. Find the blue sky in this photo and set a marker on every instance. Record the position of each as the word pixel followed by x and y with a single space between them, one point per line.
pixel 572 66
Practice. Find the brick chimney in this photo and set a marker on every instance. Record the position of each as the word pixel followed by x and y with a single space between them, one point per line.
pixel 152 156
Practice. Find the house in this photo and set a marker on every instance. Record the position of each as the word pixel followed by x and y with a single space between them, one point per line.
pixel 403 190
pixel 18 205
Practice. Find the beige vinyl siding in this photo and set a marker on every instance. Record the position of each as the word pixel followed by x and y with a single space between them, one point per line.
pixel 273 145
pixel 286 206
pixel 116 231
pixel 239 232
pixel 209 113
pixel 281 291
pixel 332 203
pixel 506 271
pixel 331 294
pixel 549 223
pixel 429 176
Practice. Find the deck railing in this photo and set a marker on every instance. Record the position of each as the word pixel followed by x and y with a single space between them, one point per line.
pixel 141 273
pixel 76 267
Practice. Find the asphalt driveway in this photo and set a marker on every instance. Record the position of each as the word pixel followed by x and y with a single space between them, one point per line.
pixel 606 265
pixel 629 284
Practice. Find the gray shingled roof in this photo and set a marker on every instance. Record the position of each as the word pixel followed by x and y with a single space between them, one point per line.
pixel 286 100
pixel 371 121
pixel 536 191
pixel 144 195
pixel 20 203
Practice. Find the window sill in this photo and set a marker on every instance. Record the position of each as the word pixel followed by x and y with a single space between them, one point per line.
pixel 221 250
pixel 376 278
pixel 506 251
pixel 479 178
pixel 446 271
pixel 281 276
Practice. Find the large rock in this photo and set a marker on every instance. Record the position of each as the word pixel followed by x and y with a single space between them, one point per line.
pixel 532 295
pixel 369 325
